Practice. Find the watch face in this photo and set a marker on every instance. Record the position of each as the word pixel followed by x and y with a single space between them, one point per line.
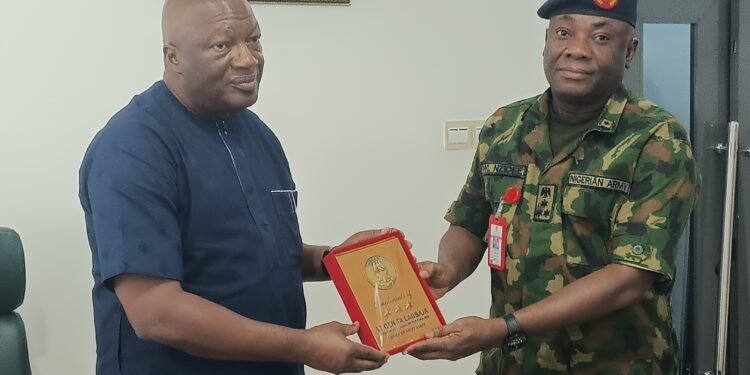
pixel 515 341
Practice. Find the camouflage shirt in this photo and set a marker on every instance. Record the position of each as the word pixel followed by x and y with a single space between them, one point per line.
pixel 621 194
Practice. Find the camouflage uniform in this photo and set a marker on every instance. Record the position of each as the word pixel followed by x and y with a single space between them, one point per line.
pixel 621 194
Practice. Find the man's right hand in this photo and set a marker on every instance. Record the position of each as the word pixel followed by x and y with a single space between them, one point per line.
pixel 328 349
pixel 438 276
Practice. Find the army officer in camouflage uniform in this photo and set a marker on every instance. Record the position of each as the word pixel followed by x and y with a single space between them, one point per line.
pixel 608 182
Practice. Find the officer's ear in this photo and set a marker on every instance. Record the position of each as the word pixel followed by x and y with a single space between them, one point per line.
pixel 632 49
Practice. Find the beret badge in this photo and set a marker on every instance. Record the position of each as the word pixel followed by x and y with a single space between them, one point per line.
pixel 606 4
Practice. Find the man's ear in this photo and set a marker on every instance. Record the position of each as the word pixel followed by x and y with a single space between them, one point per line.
pixel 171 60
pixel 630 54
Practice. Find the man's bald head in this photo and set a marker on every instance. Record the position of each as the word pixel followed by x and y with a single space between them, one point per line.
pixel 178 16
pixel 212 55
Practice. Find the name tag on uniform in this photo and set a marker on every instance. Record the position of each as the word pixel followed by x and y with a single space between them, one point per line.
pixel 598 182
pixel 504 169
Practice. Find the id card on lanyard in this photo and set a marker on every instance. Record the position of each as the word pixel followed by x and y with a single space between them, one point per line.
pixel 497 230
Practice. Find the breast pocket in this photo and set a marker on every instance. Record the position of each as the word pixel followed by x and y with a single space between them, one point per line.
pixel 287 232
pixel 587 215
pixel 495 188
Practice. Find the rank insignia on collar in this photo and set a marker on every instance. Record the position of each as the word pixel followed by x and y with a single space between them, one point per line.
pixel 606 124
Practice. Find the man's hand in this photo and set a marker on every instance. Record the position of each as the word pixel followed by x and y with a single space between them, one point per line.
pixel 459 339
pixel 312 265
pixel 365 234
pixel 330 350
pixel 438 276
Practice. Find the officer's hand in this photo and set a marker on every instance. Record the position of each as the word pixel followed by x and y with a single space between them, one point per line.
pixel 438 277
pixel 365 234
pixel 459 339
pixel 330 350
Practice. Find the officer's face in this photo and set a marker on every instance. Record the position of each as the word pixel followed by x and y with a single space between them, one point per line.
pixel 222 59
pixel 585 56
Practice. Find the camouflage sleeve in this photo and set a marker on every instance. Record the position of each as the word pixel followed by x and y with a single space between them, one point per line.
pixel 471 210
pixel 648 225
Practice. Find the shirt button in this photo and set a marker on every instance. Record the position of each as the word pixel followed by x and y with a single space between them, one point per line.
pixel 637 249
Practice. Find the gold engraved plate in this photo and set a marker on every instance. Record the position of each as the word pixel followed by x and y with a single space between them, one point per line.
pixel 393 306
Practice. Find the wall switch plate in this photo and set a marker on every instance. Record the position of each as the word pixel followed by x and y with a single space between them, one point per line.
pixel 461 135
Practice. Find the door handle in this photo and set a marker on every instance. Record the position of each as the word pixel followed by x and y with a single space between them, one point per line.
pixel 745 151
pixel 726 247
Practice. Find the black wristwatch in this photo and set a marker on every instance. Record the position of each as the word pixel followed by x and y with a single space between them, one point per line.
pixel 322 265
pixel 516 336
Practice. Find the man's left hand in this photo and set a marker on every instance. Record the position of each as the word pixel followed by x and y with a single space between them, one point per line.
pixel 365 234
pixel 459 339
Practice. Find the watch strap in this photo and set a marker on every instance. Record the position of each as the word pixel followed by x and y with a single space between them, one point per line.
pixel 514 326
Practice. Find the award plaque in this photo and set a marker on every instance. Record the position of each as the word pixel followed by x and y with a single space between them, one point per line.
pixel 378 280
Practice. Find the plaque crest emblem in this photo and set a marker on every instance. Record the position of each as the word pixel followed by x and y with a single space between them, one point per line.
pixel 380 272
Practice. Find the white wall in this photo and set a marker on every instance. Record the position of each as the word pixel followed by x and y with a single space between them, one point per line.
pixel 355 93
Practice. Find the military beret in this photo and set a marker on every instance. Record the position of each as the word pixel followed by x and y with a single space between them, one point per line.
pixel 625 10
